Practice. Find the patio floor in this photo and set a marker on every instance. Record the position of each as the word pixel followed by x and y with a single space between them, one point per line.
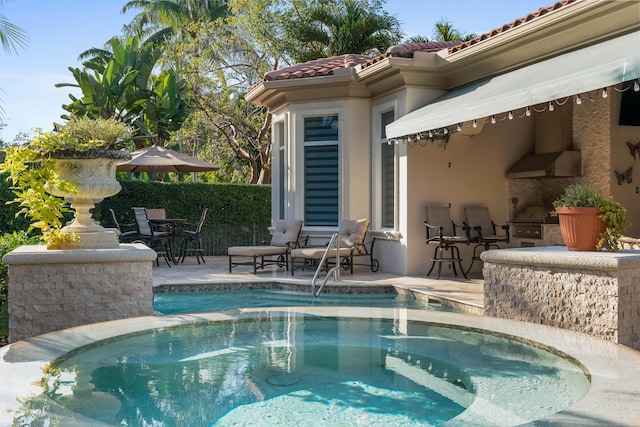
pixel 466 295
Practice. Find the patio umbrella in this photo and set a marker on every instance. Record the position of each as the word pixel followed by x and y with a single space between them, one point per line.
pixel 160 159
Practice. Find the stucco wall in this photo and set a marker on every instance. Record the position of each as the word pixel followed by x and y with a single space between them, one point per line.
pixel 470 171
pixel 628 194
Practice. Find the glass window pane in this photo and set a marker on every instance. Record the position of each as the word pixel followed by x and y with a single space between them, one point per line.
pixel 321 185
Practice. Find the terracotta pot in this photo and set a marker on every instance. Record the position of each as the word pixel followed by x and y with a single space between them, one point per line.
pixel 581 228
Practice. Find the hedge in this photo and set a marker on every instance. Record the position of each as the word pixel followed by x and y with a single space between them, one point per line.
pixel 238 214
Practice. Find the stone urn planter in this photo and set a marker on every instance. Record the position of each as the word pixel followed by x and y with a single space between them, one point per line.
pixel 581 227
pixel 95 172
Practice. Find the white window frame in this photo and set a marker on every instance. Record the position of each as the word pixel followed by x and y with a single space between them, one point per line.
pixel 376 167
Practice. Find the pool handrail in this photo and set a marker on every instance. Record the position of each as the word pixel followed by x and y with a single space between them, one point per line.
pixel 335 270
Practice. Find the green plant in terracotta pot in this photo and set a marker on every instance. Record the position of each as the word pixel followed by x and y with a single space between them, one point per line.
pixel 77 161
pixel 588 220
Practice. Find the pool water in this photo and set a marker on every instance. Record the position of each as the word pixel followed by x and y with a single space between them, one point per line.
pixel 199 301
pixel 282 368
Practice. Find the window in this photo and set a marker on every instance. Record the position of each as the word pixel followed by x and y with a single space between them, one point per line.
pixel 321 178
pixel 387 168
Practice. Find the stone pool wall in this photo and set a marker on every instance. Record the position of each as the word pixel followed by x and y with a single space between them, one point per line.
pixel 597 293
pixel 59 289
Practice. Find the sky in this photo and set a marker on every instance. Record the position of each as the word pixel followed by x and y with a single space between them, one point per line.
pixel 59 30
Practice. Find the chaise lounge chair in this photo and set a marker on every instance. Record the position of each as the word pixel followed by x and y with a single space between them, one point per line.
pixel 285 237
pixel 351 235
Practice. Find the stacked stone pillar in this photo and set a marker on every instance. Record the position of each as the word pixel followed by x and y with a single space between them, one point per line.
pixel 51 290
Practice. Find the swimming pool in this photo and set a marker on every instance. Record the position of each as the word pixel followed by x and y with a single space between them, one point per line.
pixel 199 301
pixel 341 365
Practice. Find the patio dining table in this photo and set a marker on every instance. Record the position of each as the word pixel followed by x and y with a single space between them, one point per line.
pixel 173 224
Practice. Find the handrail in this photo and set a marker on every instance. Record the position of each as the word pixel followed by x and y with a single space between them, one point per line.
pixel 335 270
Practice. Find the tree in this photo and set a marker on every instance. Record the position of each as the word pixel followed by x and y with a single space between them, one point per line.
pixel 12 37
pixel 118 82
pixel 177 16
pixel 444 31
pixel 328 28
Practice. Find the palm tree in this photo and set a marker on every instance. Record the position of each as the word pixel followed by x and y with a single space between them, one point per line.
pixel 444 31
pixel 11 36
pixel 348 26
pixel 175 14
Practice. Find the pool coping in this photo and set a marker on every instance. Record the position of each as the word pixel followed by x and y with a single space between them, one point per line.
pixel 613 398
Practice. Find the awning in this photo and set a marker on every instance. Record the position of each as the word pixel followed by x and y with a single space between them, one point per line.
pixel 594 67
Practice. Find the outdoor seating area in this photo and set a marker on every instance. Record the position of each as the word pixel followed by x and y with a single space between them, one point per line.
pixel 482 231
pixel 352 244
pixel 171 238
pixel 442 232
pixel 284 238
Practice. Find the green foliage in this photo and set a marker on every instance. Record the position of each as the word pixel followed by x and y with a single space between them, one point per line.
pixel 166 109
pixel 238 214
pixel 115 82
pixel 29 175
pixel 82 134
pixel 31 171
pixel 327 29
pixel 611 212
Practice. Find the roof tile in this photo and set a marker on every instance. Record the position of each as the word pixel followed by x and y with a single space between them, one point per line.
pixel 326 66
pixel 540 12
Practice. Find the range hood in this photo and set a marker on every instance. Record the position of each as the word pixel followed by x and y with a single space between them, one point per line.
pixel 561 163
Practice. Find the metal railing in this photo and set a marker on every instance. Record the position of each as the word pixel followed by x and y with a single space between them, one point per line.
pixel 335 270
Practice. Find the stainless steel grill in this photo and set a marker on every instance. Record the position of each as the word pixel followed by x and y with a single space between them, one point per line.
pixel 528 222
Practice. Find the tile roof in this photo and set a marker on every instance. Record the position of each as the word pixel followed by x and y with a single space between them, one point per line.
pixel 317 67
pixel 520 21
pixel 327 66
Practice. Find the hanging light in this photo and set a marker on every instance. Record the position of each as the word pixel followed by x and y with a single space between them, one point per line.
pixel 474 123
pixel 458 127
pixel 446 131
pixel 604 92
pixel 636 86
pixel 493 119
pixel 551 107
pixel 430 134
pixel 578 99
pixel 527 111
pixel 510 115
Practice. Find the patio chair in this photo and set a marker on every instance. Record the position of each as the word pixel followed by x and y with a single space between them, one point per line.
pixel 352 241
pixel 160 241
pixel 193 237
pixel 482 231
pixel 124 236
pixel 284 239
pixel 442 232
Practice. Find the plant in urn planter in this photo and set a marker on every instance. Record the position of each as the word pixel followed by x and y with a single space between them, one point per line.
pixel 76 162
pixel 588 220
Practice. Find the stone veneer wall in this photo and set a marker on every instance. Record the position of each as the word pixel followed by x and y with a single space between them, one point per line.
pixel 592 292
pixel 52 290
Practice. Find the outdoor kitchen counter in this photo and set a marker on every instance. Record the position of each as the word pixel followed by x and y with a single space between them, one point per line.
pixel 592 292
